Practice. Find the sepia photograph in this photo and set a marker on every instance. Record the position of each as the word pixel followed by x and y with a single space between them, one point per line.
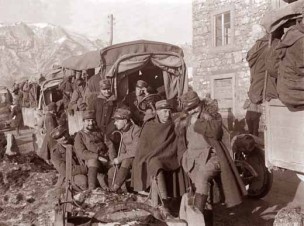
pixel 151 112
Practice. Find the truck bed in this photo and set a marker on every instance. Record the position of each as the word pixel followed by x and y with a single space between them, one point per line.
pixel 284 137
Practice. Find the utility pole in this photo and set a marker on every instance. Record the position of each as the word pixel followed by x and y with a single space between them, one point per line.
pixel 111 22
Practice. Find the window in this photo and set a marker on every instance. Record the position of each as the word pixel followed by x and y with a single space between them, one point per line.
pixel 222 28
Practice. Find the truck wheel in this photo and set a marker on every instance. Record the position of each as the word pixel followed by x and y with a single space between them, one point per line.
pixel 254 173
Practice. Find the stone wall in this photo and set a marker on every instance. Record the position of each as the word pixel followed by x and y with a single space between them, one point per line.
pixel 213 61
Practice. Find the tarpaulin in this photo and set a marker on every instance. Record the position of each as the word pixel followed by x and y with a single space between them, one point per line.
pixel 83 62
pixel 276 18
pixel 119 60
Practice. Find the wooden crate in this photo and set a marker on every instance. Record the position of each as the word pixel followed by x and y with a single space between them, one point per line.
pixel 284 137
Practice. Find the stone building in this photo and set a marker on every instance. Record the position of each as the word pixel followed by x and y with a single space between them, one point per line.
pixel 223 32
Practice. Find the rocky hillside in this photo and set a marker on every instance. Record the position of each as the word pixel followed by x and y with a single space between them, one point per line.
pixel 29 49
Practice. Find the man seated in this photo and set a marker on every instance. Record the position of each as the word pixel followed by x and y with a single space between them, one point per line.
pixel 204 158
pixel 156 154
pixel 58 159
pixel 132 100
pixel 129 139
pixel 95 149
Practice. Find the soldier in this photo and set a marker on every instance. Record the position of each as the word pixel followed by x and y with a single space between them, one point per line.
pixel 129 139
pixel 155 162
pixel 77 77
pixel 67 89
pixel 26 91
pixel 77 102
pixel 92 146
pixel 133 98
pixel 16 116
pixel 253 115
pixel 58 159
pixel 199 133
pixel 50 123
pixel 104 106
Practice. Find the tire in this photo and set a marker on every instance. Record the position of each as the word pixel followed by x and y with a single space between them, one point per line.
pixel 255 175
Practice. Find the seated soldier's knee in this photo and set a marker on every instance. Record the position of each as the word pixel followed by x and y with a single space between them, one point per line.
pixel 127 163
pixel 93 163
pixel 81 181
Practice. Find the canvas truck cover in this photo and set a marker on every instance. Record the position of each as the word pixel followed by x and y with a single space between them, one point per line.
pixel 276 18
pixel 107 57
pixel 134 55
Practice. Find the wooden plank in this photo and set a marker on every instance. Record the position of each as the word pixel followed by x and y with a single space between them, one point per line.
pixel 68 177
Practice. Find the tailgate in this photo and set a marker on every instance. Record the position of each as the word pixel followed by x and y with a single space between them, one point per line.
pixel 284 143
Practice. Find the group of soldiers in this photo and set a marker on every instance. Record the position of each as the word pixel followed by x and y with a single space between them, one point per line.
pixel 159 148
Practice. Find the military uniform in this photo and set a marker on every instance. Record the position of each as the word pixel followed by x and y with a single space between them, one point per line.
pixel 50 123
pixel 89 146
pixel 128 143
pixel 58 159
pixel 78 97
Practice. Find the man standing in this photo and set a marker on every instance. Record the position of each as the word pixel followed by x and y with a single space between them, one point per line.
pixel 91 146
pixel 199 133
pixel 49 123
pixel 58 159
pixel 253 115
pixel 16 115
pixel 77 102
pixel 156 154
pixel 104 106
pixel 129 139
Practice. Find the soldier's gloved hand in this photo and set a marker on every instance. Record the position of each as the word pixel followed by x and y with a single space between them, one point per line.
pixel 82 106
pixel 71 112
pixel 206 116
pixel 116 161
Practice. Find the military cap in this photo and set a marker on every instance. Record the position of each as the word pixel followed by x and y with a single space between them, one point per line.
pixel 89 114
pixel 190 100
pixel 105 84
pixel 52 106
pixel 141 84
pixel 58 132
pixel 163 104
pixel 122 113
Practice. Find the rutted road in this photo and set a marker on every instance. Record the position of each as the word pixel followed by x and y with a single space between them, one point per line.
pixel 263 211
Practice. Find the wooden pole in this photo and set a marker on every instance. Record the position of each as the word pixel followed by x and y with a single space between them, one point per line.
pixel 111 18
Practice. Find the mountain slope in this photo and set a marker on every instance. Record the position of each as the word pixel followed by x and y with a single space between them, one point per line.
pixel 29 49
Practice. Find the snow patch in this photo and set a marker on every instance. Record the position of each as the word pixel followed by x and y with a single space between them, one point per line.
pixel 60 40
pixel 41 25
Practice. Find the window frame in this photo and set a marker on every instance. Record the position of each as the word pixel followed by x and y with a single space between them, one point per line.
pixel 214 15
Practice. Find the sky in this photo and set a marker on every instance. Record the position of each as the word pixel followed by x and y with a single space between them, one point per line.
pixel 158 20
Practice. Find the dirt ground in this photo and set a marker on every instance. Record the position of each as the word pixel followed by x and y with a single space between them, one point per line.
pixel 28 196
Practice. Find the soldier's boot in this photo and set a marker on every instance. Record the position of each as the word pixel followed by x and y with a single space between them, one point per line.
pixel 121 176
pixel 200 201
pixel 92 177
pixel 102 181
